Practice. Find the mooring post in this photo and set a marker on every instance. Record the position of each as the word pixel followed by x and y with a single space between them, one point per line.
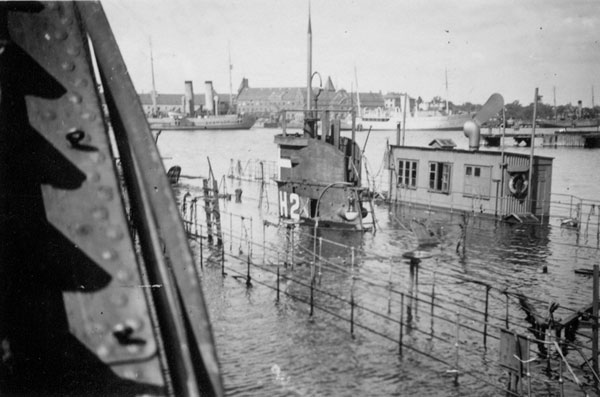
pixel 485 315
pixel 595 324
pixel 401 322
pixel 231 232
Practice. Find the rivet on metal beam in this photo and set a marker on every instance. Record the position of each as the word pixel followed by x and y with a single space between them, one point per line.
pixel 66 21
pixel 60 35
pixel 123 275
pixel 48 115
pixel 74 50
pixel 105 193
pixel 88 116
pixel 67 66
pixel 102 351
pixel 100 214
pixel 81 83
pixel 84 230
pixel 75 98
pixel 98 157
pixel 93 176
pixel 114 233
pixel 109 255
pixel 119 301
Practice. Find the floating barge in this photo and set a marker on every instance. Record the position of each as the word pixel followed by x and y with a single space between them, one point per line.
pixel 509 185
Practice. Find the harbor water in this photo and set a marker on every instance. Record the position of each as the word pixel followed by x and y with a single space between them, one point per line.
pixel 274 347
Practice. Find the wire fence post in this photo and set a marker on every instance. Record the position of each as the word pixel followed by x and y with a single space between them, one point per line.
pixel 401 323
pixel 277 277
pixel 506 317
pixel 320 263
pixel 485 315
pixel 201 249
pixel 457 344
pixel 433 299
pixel 390 287
pixel 596 287
pixel 352 293
pixel 248 278
pixel 528 366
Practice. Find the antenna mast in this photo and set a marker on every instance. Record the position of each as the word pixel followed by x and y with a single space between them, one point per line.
pixel 153 93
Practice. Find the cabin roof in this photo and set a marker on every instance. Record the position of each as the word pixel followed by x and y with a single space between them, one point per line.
pixel 465 151
pixel 442 143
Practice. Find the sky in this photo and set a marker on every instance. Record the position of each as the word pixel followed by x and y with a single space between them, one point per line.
pixel 505 46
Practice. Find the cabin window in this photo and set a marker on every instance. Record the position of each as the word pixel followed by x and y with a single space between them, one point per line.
pixel 439 177
pixel 478 181
pixel 407 173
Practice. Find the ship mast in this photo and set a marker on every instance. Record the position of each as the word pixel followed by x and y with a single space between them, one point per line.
pixel 446 72
pixel 153 93
pixel 357 93
pixel 309 67
pixel 230 84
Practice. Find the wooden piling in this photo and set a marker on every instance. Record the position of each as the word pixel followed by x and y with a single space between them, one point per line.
pixel 207 210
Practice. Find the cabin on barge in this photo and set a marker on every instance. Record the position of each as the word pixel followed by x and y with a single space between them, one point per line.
pixel 483 182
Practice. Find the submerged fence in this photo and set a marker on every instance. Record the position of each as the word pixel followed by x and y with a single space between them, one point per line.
pixel 458 322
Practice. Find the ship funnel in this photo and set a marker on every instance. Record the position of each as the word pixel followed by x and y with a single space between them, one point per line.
pixel 208 97
pixel 189 99
pixel 494 104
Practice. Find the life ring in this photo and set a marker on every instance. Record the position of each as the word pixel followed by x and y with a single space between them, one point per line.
pixel 518 185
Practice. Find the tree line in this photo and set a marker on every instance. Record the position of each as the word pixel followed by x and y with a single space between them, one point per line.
pixel 517 111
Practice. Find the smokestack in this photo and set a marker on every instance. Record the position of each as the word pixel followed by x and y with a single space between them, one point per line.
pixel 189 99
pixel 208 95
pixel 579 109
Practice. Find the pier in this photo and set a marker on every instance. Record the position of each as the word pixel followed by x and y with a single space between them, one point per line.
pixel 567 138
